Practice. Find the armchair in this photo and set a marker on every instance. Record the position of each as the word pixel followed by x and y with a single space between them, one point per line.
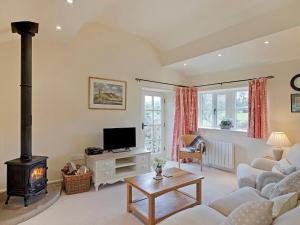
pixel 263 171
pixel 183 153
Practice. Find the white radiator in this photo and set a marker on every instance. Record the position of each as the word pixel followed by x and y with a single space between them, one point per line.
pixel 220 155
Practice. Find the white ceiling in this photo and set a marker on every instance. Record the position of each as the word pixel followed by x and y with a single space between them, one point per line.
pixel 178 29
pixel 168 24
pixel 283 46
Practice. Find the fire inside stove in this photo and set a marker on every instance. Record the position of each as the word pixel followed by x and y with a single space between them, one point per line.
pixel 37 173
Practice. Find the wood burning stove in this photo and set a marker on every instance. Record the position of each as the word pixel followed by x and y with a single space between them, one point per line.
pixel 27 175
pixel 26 179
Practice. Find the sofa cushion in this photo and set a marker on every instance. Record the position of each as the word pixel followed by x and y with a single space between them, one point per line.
pixel 284 203
pixel 266 191
pixel 293 155
pixel 251 213
pixel 284 166
pixel 290 183
pixel 291 217
pixel 199 215
pixel 230 202
pixel 263 164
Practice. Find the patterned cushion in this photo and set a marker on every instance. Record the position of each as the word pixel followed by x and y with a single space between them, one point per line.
pixel 251 213
pixel 290 183
pixel 266 191
pixel 284 203
pixel 284 167
pixel 232 201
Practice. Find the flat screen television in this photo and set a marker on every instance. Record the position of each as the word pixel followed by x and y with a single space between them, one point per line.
pixel 119 138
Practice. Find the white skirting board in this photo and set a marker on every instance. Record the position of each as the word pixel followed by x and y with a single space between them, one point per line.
pixel 220 155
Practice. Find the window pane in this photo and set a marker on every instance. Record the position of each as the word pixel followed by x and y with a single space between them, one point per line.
pixel 157 103
pixel 148 103
pixel 148 117
pixel 242 110
pixel 148 145
pixel 242 99
pixel 221 108
pixel 157 117
pixel 206 110
pixel 156 147
pixel 157 132
pixel 148 132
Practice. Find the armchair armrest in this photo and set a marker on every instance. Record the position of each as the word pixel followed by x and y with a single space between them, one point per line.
pixel 266 178
pixel 263 164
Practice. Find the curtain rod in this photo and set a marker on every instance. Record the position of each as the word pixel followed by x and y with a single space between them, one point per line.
pixel 158 82
pixel 232 81
pixel 203 85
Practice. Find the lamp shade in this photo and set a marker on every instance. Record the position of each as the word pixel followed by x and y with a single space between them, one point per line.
pixel 278 139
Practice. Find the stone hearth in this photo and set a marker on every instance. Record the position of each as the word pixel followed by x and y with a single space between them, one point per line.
pixel 15 213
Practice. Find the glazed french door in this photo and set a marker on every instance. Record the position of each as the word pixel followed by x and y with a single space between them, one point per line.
pixel 153 121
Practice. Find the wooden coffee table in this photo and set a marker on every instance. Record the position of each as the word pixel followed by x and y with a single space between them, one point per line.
pixel 163 198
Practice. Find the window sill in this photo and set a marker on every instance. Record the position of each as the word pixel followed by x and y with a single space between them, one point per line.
pixel 219 129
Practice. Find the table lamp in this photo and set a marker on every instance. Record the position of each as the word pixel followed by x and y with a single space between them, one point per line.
pixel 278 140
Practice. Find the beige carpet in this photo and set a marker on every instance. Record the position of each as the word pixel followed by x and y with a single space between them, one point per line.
pixel 108 206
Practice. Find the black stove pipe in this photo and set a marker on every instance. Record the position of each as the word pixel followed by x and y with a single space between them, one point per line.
pixel 27 30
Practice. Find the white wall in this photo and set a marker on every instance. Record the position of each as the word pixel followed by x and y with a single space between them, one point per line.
pixel 279 112
pixel 62 123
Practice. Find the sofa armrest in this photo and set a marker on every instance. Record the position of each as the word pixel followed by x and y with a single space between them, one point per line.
pixel 246 175
pixel 266 178
pixel 263 164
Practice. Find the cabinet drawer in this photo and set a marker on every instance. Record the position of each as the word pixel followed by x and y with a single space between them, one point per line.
pixel 104 175
pixel 105 165
pixel 143 158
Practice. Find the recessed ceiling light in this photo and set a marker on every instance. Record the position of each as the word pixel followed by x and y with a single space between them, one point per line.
pixel 70 1
pixel 267 42
pixel 58 27
pixel 219 54
pixel 184 64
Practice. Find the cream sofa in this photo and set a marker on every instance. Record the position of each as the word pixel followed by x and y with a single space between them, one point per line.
pixel 204 215
pixel 263 171
pixel 216 212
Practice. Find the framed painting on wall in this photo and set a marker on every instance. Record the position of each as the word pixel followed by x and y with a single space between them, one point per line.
pixel 107 94
pixel 295 102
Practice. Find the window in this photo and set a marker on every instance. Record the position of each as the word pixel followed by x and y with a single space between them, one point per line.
pixel 216 106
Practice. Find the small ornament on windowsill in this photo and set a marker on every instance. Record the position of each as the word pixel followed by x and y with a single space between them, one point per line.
pixel 226 124
pixel 158 164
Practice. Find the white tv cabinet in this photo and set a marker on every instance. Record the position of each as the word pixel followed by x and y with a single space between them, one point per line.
pixel 111 167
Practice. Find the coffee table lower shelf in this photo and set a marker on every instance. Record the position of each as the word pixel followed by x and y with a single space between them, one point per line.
pixel 165 205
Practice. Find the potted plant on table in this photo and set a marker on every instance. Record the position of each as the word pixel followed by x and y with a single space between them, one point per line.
pixel 158 164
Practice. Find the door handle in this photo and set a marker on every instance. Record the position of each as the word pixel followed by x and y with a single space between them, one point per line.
pixel 144 125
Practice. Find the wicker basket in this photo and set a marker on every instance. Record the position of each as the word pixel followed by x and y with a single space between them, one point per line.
pixel 77 183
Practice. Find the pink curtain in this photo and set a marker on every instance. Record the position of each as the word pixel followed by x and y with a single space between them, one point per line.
pixel 186 114
pixel 257 120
